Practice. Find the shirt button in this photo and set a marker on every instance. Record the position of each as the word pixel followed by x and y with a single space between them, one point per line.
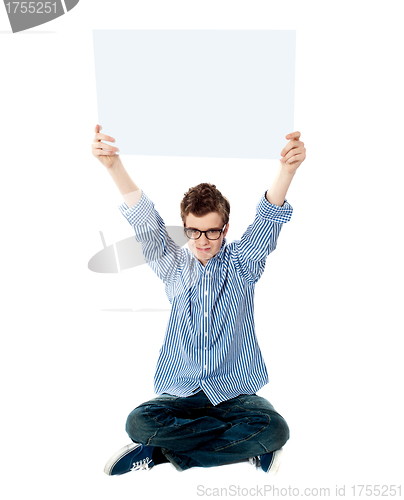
pixel 205 367
pixel 206 334
pixel 206 293
pixel 205 348
pixel 206 315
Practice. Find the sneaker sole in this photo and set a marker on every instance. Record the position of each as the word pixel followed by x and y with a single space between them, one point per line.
pixel 276 462
pixel 118 455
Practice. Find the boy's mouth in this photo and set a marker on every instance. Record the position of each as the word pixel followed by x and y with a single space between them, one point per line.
pixel 203 249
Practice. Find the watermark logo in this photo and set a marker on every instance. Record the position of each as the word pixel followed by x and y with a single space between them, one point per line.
pixel 127 253
pixel 25 15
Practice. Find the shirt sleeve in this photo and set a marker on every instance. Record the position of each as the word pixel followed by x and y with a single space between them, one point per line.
pixel 261 237
pixel 161 253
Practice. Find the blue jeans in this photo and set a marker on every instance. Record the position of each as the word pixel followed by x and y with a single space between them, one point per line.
pixel 191 432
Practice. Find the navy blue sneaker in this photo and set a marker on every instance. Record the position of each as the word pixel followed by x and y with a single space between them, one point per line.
pixel 133 456
pixel 269 462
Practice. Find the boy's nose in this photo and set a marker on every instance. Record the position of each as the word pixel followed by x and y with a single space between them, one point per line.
pixel 203 240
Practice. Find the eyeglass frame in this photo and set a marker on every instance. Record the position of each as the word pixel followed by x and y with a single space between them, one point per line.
pixel 204 232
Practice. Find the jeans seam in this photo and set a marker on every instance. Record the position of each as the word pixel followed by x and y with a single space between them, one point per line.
pixel 247 438
pixel 161 424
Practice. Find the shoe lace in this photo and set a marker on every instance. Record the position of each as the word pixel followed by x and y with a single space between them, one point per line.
pixel 142 464
pixel 255 461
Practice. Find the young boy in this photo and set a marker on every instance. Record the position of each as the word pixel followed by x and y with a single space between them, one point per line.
pixel 210 365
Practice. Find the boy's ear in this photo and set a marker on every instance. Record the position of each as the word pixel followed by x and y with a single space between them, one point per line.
pixel 225 231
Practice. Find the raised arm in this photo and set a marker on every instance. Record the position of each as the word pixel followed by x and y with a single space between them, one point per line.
pixel 161 253
pixel 273 210
pixel 108 156
pixel 293 154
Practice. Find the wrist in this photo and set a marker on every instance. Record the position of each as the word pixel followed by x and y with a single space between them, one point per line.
pixel 114 163
pixel 287 170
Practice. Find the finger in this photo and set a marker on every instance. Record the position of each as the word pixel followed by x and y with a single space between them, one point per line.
pixel 293 148
pixel 295 158
pixel 291 145
pixel 103 137
pixel 294 152
pixel 293 135
pixel 103 147
pixel 103 152
pixel 106 153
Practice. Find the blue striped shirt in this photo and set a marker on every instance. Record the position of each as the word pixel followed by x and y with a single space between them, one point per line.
pixel 210 340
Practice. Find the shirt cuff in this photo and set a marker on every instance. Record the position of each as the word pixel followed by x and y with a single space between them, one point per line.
pixel 275 213
pixel 139 213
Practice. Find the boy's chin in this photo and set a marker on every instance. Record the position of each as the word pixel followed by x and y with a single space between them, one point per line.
pixel 202 258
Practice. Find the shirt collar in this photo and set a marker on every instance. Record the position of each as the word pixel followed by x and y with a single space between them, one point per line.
pixel 220 254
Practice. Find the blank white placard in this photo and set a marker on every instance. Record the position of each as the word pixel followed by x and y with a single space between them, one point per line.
pixel 201 93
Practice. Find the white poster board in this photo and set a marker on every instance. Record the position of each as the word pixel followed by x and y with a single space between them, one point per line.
pixel 200 93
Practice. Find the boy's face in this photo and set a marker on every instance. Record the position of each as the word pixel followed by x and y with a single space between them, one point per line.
pixel 202 248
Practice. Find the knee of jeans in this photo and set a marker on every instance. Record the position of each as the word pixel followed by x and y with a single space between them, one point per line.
pixel 280 429
pixel 136 425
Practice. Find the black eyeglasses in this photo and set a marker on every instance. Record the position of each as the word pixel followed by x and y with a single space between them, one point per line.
pixel 211 234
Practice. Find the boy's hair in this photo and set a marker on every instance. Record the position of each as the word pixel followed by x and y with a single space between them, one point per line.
pixel 203 199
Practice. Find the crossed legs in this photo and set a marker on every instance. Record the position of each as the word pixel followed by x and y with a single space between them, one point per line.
pixel 191 432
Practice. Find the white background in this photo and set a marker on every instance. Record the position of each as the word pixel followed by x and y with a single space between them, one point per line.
pixel 327 307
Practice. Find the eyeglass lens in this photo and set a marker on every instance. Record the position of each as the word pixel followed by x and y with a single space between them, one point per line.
pixel 210 234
